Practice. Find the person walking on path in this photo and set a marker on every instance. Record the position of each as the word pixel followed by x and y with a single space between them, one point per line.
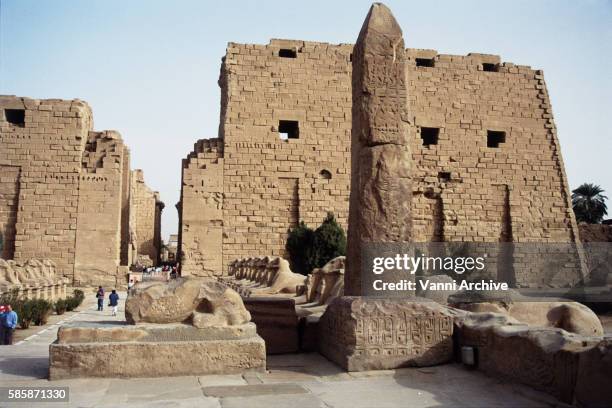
pixel 100 297
pixel 9 323
pixel 114 301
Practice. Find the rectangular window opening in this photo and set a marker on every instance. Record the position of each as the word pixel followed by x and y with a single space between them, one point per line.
pixel 288 129
pixel 425 62
pixel 287 53
pixel 495 137
pixel 430 135
pixel 490 67
pixel 444 175
pixel 15 116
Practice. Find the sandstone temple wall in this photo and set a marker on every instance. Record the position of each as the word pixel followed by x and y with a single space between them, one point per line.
pixel 200 209
pixel 262 185
pixel 515 191
pixel 98 231
pixel 487 165
pixel 146 217
pixel 41 150
pixel 64 189
pixel 469 186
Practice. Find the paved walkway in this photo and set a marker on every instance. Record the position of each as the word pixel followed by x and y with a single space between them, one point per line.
pixel 294 380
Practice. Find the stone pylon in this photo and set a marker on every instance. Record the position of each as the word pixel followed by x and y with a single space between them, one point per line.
pixel 381 184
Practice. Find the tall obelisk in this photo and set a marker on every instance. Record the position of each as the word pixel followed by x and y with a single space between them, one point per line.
pixel 381 184
pixel 361 332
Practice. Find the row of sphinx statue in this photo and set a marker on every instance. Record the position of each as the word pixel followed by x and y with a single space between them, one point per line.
pixel 30 273
pixel 272 276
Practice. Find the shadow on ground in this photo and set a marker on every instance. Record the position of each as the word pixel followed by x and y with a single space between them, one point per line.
pixel 29 367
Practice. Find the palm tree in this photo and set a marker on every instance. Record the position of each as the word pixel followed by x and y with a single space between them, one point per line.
pixel 589 203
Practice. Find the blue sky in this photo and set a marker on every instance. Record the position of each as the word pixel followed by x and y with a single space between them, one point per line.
pixel 149 69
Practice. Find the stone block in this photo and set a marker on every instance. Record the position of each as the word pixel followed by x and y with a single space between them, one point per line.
pixel 595 376
pixel 309 331
pixel 544 358
pixel 277 323
pixel 151 350
pixel 360 333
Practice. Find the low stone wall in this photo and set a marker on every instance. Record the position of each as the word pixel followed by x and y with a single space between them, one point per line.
pixel 154 350
pixel 574 368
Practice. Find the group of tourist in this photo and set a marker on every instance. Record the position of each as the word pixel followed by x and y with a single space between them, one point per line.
pixel 113 300
pixel 160 269
pixel 8 323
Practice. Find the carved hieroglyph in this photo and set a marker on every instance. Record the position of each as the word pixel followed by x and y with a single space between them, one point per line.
pixel 381 185
pixel 361 334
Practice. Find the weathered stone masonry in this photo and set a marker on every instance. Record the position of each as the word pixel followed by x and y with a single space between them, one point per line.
pixel 486 163
pixel 146 217
pixel 64 189
pixel 242 192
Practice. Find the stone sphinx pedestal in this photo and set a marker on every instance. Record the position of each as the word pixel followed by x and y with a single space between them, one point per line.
pixel 154 350
pixel 362 333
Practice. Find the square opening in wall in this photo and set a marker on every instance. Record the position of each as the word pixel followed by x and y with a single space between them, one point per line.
pixel 425 62
pixel 287 53
pixel 490 67
pixel 430 135
pixel 288 129
pixel 15 116
pixel 495 137
pixel 444 175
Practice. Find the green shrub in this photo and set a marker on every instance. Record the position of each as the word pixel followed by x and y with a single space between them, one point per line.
pixel 300 247
pixel 78 293
pixel 60 306
pixel 41 310
pixel 329 241
pixel 35 311
pixel 72 303
pixel 310 249
pixel 75 300
pixel 25 312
